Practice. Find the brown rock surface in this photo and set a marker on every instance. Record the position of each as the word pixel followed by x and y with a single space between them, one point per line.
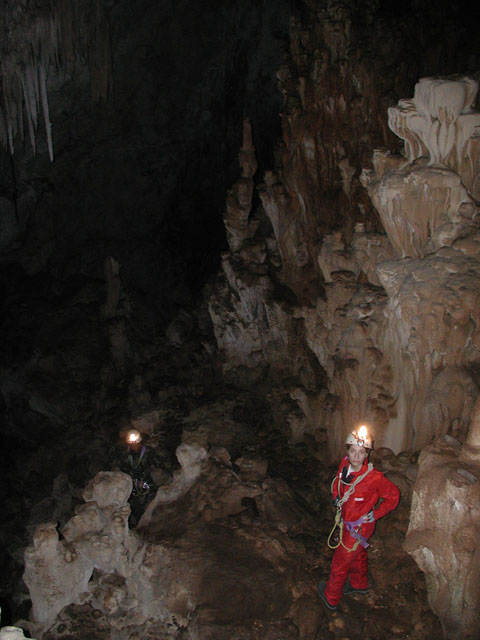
pixel 444 529
pixel 323 329
pixel 224 558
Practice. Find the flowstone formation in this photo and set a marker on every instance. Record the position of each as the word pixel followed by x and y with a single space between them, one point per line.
pixel 427 202
pixel 382 328
pixel 93 558
pixel 425 333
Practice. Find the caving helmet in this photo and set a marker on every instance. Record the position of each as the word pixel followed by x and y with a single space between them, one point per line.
pixel 361 437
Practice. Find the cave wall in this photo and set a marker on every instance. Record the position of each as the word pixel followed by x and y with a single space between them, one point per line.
pixel 311 272
pixel 135 178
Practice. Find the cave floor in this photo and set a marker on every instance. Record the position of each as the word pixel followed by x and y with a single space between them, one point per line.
pixel 45 482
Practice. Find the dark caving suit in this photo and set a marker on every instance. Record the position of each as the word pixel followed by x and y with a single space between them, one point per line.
pixel 350 557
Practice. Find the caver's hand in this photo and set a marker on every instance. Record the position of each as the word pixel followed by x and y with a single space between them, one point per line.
pixel 369 517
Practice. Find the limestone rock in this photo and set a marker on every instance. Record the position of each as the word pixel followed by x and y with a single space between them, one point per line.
pixel 423 208
pixel 190 563
pixel 11 633
pixel 439 123
pixel 433 314
pixel 444 531
pixel 58 572
pixel 238 225
pixel 290 237
pixel 429 202
pixel 108 489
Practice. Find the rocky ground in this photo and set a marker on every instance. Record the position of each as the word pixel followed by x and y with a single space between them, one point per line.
pixel 256 523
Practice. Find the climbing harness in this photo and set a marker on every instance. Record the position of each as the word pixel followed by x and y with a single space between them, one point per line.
pixel 350 527
pixel 340 523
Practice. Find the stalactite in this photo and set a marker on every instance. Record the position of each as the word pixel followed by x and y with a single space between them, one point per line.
pixel 41 37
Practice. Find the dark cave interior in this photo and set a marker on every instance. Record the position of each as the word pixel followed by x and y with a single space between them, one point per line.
pixel 140 177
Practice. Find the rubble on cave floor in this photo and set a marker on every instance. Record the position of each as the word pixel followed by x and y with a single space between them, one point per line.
pixel 233 548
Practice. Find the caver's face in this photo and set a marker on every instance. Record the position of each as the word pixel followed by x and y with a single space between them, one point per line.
pixel 356 456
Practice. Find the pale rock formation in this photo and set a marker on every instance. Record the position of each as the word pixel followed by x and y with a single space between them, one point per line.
pixel 243 323
pixel 429 202
pixel 239 200
pixel 12 633
pixel 254 330
pixel 58 571
pixel 434 316
pixel 190 458
pixel 423 208
pixel 441 124
pixel 190 563
pixel 43 38
pixel 405 361
pixel 431 326
pixel 394 326
pixel 345 332
pixel 361 255
pixel 444 531
pixel 289 235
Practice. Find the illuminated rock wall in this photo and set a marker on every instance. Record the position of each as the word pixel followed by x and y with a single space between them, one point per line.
pixel 444 531
pixel 429 213
pixel 393 321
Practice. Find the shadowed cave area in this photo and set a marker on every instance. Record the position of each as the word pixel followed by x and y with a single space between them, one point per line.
pixel 240 229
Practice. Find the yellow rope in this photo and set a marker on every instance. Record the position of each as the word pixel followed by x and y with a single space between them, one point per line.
pixel 339 523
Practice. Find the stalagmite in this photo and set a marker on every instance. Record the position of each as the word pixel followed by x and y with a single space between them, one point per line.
pixel 238 225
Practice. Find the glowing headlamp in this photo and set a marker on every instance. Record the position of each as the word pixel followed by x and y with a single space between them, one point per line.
pixel 362 434
pixel 360 437
pixel 133 436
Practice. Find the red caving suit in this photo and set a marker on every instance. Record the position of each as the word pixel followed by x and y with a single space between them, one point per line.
pixel 353 564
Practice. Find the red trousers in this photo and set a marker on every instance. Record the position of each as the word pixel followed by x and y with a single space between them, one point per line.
pixel 348 564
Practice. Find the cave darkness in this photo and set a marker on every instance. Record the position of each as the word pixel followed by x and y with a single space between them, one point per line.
pixel 142 176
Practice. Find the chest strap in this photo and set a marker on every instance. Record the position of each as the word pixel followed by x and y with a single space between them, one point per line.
pixel 351 488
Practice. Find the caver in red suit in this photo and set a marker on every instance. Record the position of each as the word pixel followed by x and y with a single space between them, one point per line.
pixel 366 494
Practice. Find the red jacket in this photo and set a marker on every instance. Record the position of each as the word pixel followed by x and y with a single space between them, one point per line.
pixel 366 493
